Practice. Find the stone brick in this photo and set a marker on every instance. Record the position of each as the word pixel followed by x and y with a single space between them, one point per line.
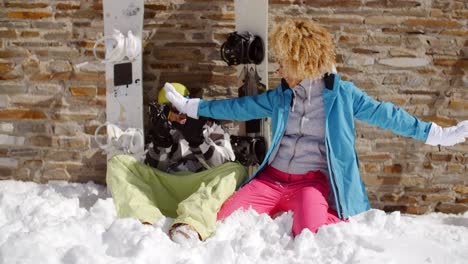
pixel 461 13
pixel 455 168
pixel 408 199
pixel 73 116
pixel 361 60
pixel 351 39
pixel 41 24
pixel 178 54
pixel 67 128
pixel 55 174
pixel 375 157
pixel 5 173
pixel 442 121
pixel 22 174
pixel 32 127
pixel 6 127
pixel 461 189
pixel 371 168
pixel 437 13
pixel 155 7
pixel 383 20
pixel 387 180
pixel 8 33
pixel 61 36
pixel 62 53
pixel 13 53
pixel 406 209
pixel 365 51
pixel 333 3
pixel 450 208
pixel 404 52
pixel 24 152
pixel 341 19
pixel 395 79
pixel 390 197
pixel 404 62
pixel 68 6
pixel 437 23
pixel 440 157
pixel 40 141
pixel 83 91
pixel 33 100
pixel 63 155
pixel 28 14
pixel 220 17
pixel 101 91
pixel 97 176
pixel 437 197
pixel 462 200
pixel 6 67
pixel 395 168
pixel 91 126
pixel 10 76
pixel 8 163
pixel 451 63
pixel 73 142
pixel 11 140
pixel 25 5
pixel 88 77
pixel 416 209
pixel 21 114
pixel 34 164
pixel 384 40
pixel 390 146
pixel 348 70
pixel 459 33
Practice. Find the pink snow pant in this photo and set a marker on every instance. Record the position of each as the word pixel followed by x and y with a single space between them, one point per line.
pixel 274 191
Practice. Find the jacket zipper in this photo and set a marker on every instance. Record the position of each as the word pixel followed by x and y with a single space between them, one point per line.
pixel 301 124
pixel 333 184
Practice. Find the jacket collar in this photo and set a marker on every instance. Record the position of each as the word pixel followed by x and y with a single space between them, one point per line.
pixel 329 94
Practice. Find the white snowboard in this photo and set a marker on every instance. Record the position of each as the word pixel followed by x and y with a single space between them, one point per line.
pixel 124 96
pixel 252 16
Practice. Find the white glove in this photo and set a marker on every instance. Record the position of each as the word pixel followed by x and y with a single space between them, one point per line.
pixel 448 136
pixel 184 105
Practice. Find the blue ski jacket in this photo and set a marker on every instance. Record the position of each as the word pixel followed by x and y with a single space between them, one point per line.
pixel 343 102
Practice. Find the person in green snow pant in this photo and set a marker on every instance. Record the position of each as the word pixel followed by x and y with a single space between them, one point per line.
pixel 148 194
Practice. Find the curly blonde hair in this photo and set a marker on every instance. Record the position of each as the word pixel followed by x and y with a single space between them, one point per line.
pixel 304 48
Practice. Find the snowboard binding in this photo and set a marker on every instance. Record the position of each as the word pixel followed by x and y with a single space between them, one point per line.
pixel 242 48
pixel 129 46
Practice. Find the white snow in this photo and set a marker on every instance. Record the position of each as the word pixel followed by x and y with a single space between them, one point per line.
pixel 73 223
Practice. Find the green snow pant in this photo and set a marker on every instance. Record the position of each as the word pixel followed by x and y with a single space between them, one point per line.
pixel 146 193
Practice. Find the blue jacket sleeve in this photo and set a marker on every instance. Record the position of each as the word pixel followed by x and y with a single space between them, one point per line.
pixel 241 108
pixel 388 116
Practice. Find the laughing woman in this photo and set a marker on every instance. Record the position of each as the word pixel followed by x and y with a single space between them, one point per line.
pixel 311 167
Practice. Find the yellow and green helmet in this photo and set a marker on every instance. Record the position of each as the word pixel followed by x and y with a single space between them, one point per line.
pixel 180 88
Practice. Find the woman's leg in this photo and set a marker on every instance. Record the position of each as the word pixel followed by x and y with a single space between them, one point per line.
pixel 307 199
pixel 260 195
pixel 200 209
pixel 310 210
pixel 128 182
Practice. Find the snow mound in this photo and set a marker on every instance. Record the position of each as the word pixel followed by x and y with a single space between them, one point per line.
pixel 76 223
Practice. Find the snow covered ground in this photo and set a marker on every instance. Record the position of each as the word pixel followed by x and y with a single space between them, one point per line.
pixel 75 223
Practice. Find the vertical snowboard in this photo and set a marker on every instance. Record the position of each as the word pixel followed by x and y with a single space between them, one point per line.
pixel 252 16
pixel 124 78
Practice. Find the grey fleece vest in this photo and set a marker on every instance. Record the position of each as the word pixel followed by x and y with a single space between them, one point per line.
pixel 302 147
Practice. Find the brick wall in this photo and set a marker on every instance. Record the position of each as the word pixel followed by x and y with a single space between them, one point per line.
pixel 412 53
